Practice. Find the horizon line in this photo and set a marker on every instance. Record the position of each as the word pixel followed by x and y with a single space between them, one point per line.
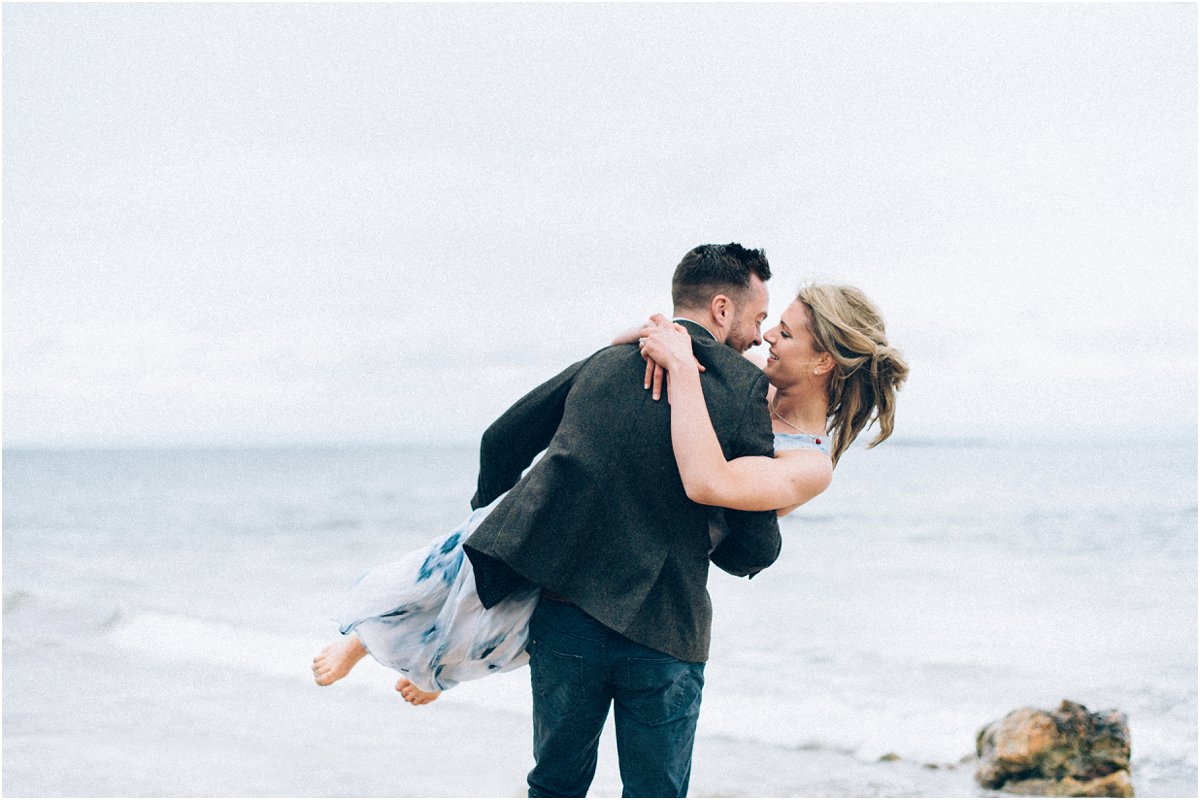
pixel 386 443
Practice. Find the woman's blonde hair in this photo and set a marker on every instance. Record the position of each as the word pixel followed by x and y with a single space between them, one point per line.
pixel 868 371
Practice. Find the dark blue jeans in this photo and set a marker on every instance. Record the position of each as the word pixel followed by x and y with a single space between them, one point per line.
pixel 578 668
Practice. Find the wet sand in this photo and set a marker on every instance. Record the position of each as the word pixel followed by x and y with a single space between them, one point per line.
pixel 159 726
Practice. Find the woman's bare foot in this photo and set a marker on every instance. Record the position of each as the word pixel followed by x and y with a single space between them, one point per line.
pixel 335 661
pixel 414 695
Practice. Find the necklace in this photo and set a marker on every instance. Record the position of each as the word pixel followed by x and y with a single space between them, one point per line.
pixel 786 421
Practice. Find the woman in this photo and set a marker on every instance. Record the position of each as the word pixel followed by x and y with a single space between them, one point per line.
pixel 832 372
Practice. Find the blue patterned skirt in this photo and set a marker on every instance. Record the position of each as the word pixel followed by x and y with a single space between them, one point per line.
pixel 422 617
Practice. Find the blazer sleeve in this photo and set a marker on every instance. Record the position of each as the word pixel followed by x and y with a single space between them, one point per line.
pixel 511 443
pixel 753 542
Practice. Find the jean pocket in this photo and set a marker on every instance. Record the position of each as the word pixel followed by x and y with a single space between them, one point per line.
pixel 657 691
pixel 557 678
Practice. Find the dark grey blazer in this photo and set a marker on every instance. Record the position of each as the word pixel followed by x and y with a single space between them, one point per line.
pixel 602 519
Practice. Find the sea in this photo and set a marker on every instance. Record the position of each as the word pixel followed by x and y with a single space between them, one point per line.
pixel 162 606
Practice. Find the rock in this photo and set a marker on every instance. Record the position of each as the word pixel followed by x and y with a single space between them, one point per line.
pixel 1069 752
pixel 1116 784
pixel 889 757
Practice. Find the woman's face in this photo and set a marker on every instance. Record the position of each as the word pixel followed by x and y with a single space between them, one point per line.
pixel 793 354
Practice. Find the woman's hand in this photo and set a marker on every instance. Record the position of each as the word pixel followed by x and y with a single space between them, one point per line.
pixel 666 346
pixel 628 336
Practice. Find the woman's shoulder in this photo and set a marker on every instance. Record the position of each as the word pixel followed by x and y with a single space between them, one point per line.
pixel 757 359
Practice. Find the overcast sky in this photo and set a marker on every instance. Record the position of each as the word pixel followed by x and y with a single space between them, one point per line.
pixel 324 223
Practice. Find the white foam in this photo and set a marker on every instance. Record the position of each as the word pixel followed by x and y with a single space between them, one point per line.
pixel 168 637
pixel 171 637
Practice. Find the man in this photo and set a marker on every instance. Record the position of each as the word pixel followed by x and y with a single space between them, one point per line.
pixel 603 525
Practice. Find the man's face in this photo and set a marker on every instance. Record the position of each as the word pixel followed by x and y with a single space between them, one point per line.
pixel 746 329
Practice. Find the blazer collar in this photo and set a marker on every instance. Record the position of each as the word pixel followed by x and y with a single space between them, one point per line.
pixel 695 328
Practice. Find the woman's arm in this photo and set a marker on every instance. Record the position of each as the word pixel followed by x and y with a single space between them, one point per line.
pixel 629 335
pixel 751 483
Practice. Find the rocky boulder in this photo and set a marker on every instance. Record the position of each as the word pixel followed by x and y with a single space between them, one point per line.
pixel 1069 752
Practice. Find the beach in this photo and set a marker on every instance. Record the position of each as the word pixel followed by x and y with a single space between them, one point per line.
pixel 161 609
pixel 357 739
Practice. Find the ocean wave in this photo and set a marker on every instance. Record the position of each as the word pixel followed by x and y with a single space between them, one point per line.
pixel 173 637
pixel 112 620
pixel 337 524
pixel 16 600
pixel 966 443
pixel 58 618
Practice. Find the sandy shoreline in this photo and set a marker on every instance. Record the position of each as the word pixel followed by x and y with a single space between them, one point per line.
pixel 146 726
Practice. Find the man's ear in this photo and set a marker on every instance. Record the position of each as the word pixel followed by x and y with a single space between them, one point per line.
pixel 721 308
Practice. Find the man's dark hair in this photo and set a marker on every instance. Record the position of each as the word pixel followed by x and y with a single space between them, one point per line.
pixel 713 269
